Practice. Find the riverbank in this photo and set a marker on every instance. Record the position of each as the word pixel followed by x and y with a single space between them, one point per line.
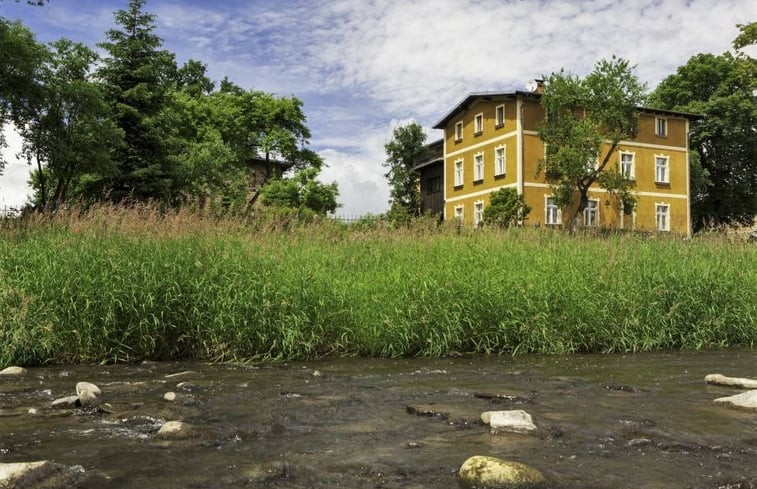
pixel 116 285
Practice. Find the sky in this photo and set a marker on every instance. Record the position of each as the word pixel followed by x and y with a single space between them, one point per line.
pixel 362 67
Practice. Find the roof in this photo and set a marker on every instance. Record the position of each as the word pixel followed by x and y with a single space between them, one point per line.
pixel 473 96
pixel 434 153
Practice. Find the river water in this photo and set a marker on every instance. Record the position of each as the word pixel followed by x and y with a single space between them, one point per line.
pixel 604 421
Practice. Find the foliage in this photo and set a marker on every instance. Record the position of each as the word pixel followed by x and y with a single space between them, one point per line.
pixel 172 285
pixel 302 191
pixel 721 88
pixel 67 127
pixel 403 153
pixel 136 77
pixel 581 115
pixel 21 59
pixel 506 208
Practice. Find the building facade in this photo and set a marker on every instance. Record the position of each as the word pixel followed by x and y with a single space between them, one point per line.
pixel 491 142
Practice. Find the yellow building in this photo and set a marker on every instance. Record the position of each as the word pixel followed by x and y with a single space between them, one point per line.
pixel 491 142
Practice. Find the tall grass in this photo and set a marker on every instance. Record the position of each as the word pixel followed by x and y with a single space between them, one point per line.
pixel 111 285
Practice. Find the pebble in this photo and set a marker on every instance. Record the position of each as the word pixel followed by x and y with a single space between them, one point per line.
pixel 13 370
pixel 480 472
pixel 515 421
pixel 88 394
pixel 169 396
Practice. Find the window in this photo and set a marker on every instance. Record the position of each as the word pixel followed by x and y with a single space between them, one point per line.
pixel 661 173
pixel 433 185
pixel 661 126
pixel 478 167
pixel 626 165
pixel 591 213
pixel 459 214
pixel 553 212
pixel 478 213
pixel 663 217
pixel 458 173
pixel 478 124
pixel 499 160
pixel 592 164
pixel 459 131
pixel 499 115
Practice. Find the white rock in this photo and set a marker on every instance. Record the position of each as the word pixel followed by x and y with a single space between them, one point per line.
pixel 65 402
pixel 516 421
pixel 741 383
pixel 492 473
pixel 34 475
pixel 88 393
pixel 746 399
pixel 13 371
pixel 169 396
pixel 176 430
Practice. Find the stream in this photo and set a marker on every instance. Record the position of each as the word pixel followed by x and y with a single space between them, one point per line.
pixel 604 421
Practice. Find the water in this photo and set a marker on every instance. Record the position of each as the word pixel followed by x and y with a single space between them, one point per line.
pixel 612 421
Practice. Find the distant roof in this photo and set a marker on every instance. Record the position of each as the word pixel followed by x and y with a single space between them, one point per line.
pixel 434 152
pixel 471 97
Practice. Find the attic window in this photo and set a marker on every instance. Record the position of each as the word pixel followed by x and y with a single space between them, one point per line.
pixel 479 124
pixel 459 131
pixel 499 115
pixel 661 126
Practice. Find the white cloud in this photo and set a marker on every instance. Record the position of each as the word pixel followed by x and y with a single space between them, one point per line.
pixel 14 188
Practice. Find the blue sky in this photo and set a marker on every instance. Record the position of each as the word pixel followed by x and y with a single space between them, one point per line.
pixel 363 66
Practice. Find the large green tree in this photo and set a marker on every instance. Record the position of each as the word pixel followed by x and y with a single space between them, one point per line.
pixel 586 120
pixel 66 129
pixel 137 76
pixel 302 191
pixel 21 62
pixel 402 154
pixel 722 89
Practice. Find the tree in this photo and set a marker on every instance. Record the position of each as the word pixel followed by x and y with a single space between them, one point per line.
pixel 506 208
pixel 403 152
pixel 21 61
pixel 302 191
pixel 67 127
pixel 137 77
pixel 585 121
pixel 724 141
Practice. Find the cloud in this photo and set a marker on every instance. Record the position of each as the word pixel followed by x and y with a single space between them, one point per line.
pixel 14 188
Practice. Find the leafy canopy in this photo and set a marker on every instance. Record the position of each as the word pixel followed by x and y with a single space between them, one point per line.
pixel 585 120
pixel 403 152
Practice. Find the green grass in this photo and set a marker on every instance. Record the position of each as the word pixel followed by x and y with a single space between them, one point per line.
pixel 118 285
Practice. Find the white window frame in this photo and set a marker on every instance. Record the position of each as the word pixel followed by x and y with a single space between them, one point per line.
pixel 632 170
pixel 459 131
pixel 500 165
pixel 459 214
pixel 478 123
pixel 557 213
pixel 478 167
pixel 661 126
pixel 459 169
pixel 664 214
pixel 478 213
pixel 665 169
pixel 588 210
pixel 499 121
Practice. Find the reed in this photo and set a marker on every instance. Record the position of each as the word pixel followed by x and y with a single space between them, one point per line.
pixel 115 285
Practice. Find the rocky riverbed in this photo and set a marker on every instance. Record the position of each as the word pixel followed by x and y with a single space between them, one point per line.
pixel 590 421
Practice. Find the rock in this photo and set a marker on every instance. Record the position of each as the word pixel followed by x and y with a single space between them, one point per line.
pixel 9 371
pixel 516 421
pixel 495 397
pixel 33 411
pixel 39 475
pixel 266 472
pixel 169 396
pixel 746 399
pixel 741 383
pixel 66 402
pixel 317 373
pixel 89 394
pixel 481 472
pixel 176 430
pixel 426 410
